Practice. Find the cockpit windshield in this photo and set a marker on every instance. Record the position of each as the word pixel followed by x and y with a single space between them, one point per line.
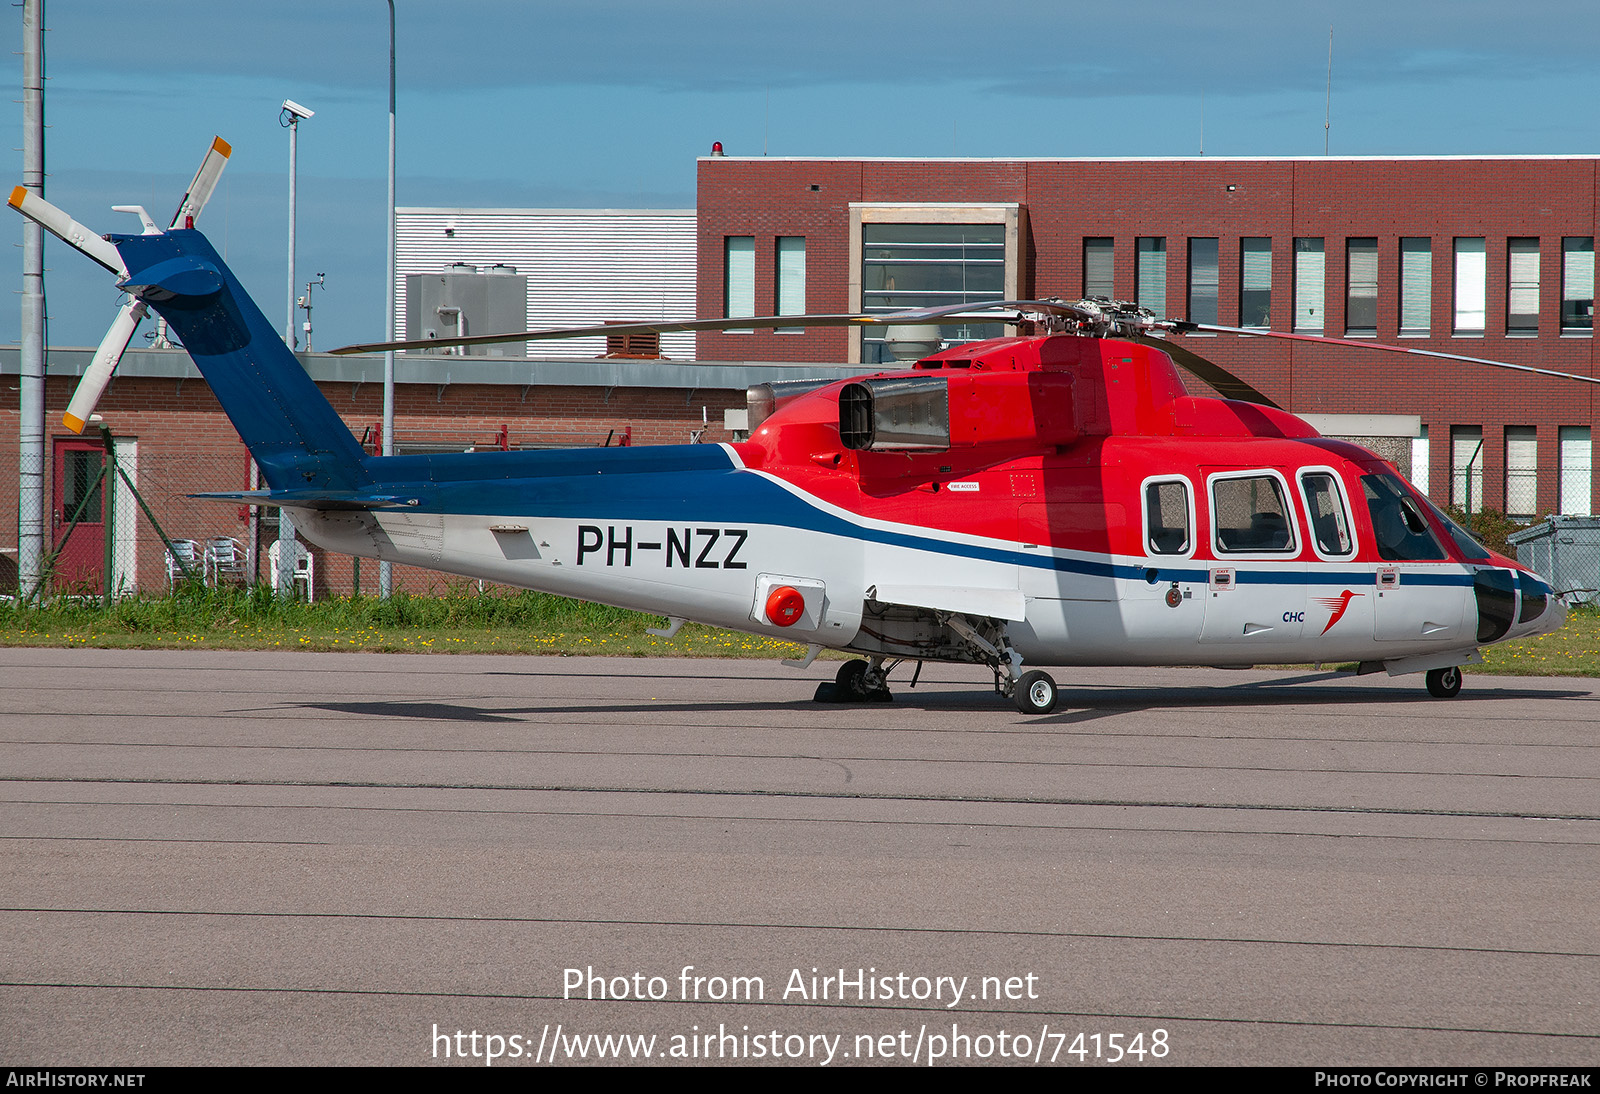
pixel 1398 523
pixel 1466 542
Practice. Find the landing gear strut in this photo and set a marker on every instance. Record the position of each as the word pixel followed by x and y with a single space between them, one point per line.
pixel 1033 692
pixel 1444 683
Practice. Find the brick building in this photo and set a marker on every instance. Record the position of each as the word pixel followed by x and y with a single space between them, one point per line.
pixel 1488 257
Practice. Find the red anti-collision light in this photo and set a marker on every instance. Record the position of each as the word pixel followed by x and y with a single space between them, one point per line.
pixel 785 606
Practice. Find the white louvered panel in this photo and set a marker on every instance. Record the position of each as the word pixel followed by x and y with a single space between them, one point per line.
pixel 1099 267
pixel 1310 277
pixel 1472 285
pixel 584 267
pixel 1416 285
pixel 1576 462
pixel 1150 275
pixel 1256 264
pixel 1577 279
pixel 1522 300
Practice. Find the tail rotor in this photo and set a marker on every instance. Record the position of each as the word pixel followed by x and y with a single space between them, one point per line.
pixel 115 343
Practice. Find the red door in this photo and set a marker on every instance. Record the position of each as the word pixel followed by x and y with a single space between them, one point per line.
pixel 79 490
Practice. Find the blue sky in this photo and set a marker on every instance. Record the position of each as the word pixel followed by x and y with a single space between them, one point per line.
pixel 609 103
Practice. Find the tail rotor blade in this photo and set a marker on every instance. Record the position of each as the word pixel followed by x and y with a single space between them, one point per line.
pixel 205 181
pixel 98 374
pixel 64 228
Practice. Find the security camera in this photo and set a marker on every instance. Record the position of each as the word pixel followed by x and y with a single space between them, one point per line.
pixel 296 109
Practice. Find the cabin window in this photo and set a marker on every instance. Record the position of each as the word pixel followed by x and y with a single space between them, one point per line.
pixel 1330 524
pixel 1398 526
pixel 1251 514
pixel 1166 508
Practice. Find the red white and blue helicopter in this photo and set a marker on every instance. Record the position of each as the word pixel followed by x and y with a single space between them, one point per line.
pixel 1055 499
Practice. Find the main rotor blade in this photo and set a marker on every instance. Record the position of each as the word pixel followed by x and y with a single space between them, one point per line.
pixel 64 228
pixel 204 182
pixel 1226 383
pixel 98 374
pixel 1361 344
pixel 974 310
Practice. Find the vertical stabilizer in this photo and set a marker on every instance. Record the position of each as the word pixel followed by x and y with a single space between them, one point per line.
pixel 291 430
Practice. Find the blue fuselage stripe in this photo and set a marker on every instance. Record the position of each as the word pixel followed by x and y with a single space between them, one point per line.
pixel 690 484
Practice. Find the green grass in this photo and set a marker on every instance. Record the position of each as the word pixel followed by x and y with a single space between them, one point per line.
pixel 498 621
pixel 1574 650
pixel 460 621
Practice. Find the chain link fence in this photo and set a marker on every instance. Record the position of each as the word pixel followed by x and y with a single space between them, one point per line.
pixel 1566 551
pixel 128 526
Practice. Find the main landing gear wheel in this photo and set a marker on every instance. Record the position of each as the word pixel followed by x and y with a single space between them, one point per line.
pixel 1444 683
pixel 851 685
pixel 1035 693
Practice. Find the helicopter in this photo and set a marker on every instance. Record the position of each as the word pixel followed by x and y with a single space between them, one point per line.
pixel 1045 500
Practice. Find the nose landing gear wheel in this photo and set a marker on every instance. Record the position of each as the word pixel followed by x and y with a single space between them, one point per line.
pixel 1444 683
pixel 1035 693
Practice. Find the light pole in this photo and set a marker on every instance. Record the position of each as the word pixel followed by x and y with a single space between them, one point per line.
pixel 385 569
pixel 289 117
pixel 283 577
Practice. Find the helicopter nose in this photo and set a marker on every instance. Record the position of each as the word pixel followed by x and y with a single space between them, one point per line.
pixel 1555 614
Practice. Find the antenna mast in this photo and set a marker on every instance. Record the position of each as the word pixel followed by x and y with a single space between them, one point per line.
pixel 1327 110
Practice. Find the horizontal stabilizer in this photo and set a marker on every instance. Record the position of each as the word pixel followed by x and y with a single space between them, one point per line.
pixel 307 499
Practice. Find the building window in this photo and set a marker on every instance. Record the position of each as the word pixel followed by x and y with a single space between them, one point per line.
pixel 1203 281
pixel 1361 286
pixel 1472 280
pixel 1522 472
pixel 1575 470
pixel 1150 272
pixel 789 280
pixel 1255 282
pixel 1099 267
pixel 739 278
pixel 1522 291
pixel 1416 285
pixel 926 266
pixel 1310 274
pixel 1466 467
pixel 1577 285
